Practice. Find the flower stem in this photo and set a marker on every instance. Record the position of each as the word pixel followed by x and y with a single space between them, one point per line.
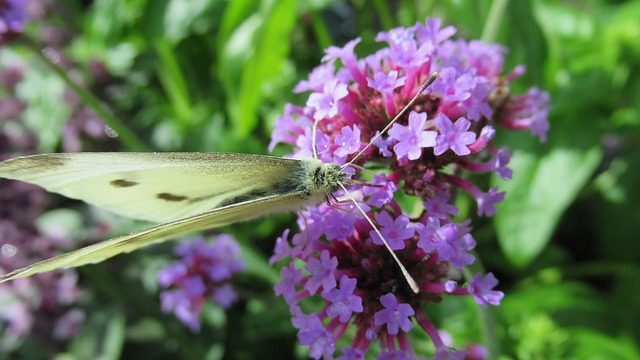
pixel 126 136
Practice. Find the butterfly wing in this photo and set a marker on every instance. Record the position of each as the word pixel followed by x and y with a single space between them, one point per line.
pixel 157 187
pixel 225 215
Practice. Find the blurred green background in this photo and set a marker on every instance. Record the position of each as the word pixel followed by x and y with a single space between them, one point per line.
pixel 211 75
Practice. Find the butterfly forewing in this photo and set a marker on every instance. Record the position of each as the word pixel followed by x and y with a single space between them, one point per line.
pixel 152 186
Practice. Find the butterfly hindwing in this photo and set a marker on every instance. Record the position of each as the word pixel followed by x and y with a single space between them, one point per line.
pixel 122 244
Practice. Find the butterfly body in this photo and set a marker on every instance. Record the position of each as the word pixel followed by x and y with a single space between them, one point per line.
pixel 187 192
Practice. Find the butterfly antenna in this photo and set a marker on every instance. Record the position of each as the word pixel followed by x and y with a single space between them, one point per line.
pixel 426 84
pixel 412 283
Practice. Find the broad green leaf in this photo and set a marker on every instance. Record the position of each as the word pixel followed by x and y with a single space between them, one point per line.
pixel 253 54
pixel 101 338
pixel 542 188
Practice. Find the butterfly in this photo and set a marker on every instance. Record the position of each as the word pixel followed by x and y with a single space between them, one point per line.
pixel 183 192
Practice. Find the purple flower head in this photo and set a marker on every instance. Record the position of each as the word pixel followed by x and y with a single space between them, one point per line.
pixel 386 82
pixel 12 18
pixel 394 316
pixel 200 274
pixel 43 305
pixel 412 138
pixel 486 201
pixel 339 225
pixel 348 142
pixel 383 145
pixel 314 335
pixel 453 85
pixel 394 231
pixel 381 192
pixel 343 301
pixel 351 354
pixel 453 136
pixel 430 32
pixel 290 277
pixel 351 286
pixel 500 162
pixel 439 206
pixel 281 249
pixel 528 111
pixel 482 290
pixel 394 355
pixel 322 273
pixel 326 103
pixel 317 78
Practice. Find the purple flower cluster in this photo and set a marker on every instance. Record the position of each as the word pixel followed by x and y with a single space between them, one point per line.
pixel 12 18
pixel 43 305
pixel 337 257
pixel 202 273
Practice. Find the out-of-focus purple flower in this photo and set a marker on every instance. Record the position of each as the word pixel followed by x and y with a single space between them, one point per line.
pixel 337 259
pixel 202 273
pixel 41 306
pixel 12 18
pixel 482 290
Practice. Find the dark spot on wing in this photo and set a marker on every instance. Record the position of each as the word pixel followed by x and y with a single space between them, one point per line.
pixel 171 197
pixel 123 183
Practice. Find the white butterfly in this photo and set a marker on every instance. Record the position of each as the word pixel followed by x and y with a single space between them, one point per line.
pixel 185 192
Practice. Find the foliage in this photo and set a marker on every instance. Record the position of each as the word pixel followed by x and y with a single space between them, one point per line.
pixel 212 75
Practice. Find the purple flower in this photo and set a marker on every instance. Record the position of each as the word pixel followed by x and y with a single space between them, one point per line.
pixel 394 355
pixel 386 82
pixel 394 231
pixel 201 274
pixel 339 224
pixel 325 104
pixel 394 315
pixel 348 142
pixel 383 145
pixel 351 354
pixel 453 136
pixel 482 290
pixel 322 273
pixel 290 277
pixel 314 335
pixel 12 17
pixel 343 301
pixel 453 85
pixel 354 99
pixel 317 78
pixel 486 201
pixel 412 138
pixel 381 192
pixel 438 205
pixel 500 162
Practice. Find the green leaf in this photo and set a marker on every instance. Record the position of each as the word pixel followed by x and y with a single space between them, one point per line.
pixel 543 186
pixel 253 54
pixel 101 338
